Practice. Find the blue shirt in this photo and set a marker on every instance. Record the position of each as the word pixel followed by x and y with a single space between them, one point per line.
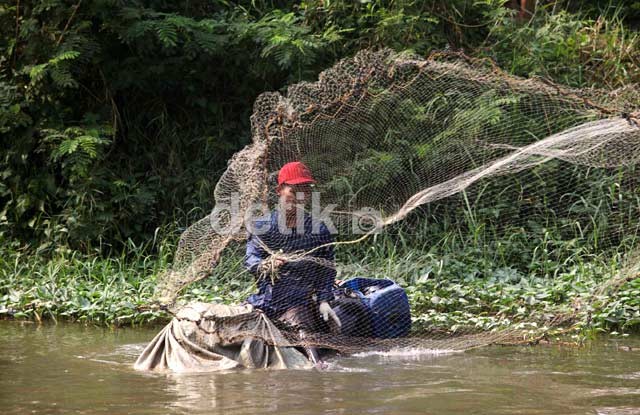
pixel 296 281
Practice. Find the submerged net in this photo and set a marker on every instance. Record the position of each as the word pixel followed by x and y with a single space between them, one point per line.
pixel 419 152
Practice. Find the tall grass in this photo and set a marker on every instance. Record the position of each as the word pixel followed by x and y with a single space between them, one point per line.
pixel 572 48
pixel 478 262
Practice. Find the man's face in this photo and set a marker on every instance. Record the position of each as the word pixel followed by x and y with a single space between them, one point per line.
pixel 294 194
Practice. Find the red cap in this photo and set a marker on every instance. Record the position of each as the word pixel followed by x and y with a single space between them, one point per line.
pixel 295 172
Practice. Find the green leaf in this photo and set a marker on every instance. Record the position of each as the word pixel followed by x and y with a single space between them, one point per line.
pixel 167 34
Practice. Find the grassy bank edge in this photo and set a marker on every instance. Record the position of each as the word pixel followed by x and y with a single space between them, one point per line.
pixel 447 292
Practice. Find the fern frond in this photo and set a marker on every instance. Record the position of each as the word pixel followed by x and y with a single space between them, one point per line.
pixel 61 77
pixel 167 34
pixel 209 42
pixel 64 56
pixel 37 72
pixel 66 147
pixel 137 30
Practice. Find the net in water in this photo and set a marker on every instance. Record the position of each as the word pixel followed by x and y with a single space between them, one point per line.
pixel 399 145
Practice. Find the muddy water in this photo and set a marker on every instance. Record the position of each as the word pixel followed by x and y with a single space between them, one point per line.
pixel 74 369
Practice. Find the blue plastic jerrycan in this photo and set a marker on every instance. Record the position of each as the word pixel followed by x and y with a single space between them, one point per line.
pixel 387 304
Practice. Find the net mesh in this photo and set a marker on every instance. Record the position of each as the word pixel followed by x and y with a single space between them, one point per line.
pixel 405 147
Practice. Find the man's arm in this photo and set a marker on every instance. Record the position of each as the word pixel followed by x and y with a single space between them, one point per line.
pixel 326 268
pixel 325 280
pixel 254 255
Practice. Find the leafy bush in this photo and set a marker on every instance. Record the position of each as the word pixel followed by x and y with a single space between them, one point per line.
pixel 118 117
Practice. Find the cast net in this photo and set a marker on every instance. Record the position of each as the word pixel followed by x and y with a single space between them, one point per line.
pixel 435 174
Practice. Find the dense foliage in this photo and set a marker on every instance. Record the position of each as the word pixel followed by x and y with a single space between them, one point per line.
pixel 118 116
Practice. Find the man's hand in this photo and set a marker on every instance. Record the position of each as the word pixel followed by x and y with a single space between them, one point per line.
pixel 326 311
pixel 268 266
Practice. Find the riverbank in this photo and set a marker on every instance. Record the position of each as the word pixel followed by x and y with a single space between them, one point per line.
pixel 449 288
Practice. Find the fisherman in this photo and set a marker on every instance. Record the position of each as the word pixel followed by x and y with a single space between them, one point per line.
pixel 291 254
pixel 297 292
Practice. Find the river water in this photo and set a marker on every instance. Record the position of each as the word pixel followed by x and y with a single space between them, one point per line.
pixel 61 369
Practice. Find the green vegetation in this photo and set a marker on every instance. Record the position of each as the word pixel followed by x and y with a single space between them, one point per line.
pixel 84 167
pixel 461 267
pixel 117 118
pixel 116 290
pixel 451 286
pixel 455 285
pixel 551 264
